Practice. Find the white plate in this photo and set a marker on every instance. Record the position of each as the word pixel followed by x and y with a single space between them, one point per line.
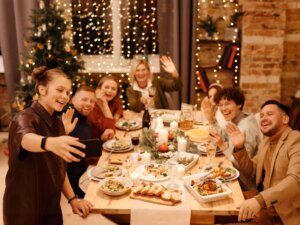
pixel 189 156
pixel 149 177
pixel 235 172
pixel 108 145
pixel 126 182
pixel 209 198
pixel 97 173
pixel 128 125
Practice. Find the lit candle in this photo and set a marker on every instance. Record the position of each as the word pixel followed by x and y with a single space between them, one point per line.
pixel 146 158
pixel 180 171
pixel 162 136
pixel 181 144
pixel 135 178
pixel 174 125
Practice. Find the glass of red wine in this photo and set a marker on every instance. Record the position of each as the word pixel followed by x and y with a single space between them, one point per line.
pixel 152 91
pixel 135 140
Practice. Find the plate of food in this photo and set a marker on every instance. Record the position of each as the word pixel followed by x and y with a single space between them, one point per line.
pixel 100 172
pixel 205 189
pixel 202 149
pixel 128 124
pixel 188 160
pixel 115 186
pixel 123 145
pixel 199 134
pixel 222 172
pixel 153 172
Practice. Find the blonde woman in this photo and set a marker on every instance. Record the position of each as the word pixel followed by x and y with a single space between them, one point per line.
pixel 142 80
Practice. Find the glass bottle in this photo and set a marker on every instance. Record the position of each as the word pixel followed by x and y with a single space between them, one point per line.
pixel 146 118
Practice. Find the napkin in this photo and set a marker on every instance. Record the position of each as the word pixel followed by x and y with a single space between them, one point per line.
pixel 145 213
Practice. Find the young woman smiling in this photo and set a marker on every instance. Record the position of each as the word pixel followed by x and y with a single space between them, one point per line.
pixel 108 108
pixel 38 154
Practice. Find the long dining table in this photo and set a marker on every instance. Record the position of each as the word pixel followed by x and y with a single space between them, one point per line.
pixel 118 208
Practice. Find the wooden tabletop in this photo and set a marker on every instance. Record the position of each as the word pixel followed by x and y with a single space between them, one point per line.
pixel 201 213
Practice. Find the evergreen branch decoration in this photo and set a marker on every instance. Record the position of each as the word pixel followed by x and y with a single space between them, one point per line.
pixel 209 26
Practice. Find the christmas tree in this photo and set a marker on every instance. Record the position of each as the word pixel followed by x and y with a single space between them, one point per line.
pixel 48 44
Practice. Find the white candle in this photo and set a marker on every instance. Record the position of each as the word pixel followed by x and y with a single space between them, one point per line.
pixel 180 171
pixel 135 178
pixel 181 144
pixel 174 125
pixel 146 158
pixel 159 120
pixel 162 136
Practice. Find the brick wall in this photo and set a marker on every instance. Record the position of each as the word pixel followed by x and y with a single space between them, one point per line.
pixel 270 51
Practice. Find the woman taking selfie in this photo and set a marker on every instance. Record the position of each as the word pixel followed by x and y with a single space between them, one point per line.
pixel 38 154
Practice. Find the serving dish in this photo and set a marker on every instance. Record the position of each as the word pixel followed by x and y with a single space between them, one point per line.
pixel 115 186
pixel 195 185
pixel 222 172
pixel 153 172
pixel 187 160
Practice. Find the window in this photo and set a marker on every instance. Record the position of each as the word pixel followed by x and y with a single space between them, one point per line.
pixel 109 33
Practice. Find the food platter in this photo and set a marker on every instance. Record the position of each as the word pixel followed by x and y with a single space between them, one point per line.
pixel 115 186
pixel 98 173
pixel 153 172
pixel 123 145
pixel 187 160
pixel 222 172
pixel 128 125
pixel 199 187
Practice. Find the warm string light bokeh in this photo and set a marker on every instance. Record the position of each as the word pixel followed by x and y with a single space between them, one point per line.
pixel 227 9
pixel 95 24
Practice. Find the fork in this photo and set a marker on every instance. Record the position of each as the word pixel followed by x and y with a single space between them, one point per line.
pixel 112 150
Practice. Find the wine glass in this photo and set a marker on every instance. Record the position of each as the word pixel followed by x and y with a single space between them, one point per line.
pixel 152 91
pixel 211 151
pixel 172 166
pixel 135 139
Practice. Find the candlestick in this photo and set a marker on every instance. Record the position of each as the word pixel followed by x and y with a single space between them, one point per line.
pixel 174 125
pixel 181 144
pixel 162 136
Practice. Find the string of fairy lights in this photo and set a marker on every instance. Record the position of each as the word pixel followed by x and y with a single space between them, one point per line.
pixel 228 8
pixel 92 32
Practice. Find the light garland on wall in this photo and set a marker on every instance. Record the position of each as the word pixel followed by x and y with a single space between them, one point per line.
pixel 203 7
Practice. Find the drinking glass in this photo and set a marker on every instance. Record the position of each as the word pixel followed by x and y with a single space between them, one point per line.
pixel 211 151
pixel 135 139
pixel 172 165
pixel 152 91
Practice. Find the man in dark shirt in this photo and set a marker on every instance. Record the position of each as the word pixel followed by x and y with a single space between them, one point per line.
pixel 83 102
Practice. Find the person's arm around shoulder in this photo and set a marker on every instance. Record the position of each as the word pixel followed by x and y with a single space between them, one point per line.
pixel 81 207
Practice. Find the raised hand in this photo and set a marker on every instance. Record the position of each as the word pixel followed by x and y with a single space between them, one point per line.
pixel 69 125
pixel 208 109
pixel 237 137
pixel 63 146
pixel 168 65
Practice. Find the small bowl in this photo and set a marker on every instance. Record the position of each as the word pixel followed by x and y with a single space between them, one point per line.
pixel 126 182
